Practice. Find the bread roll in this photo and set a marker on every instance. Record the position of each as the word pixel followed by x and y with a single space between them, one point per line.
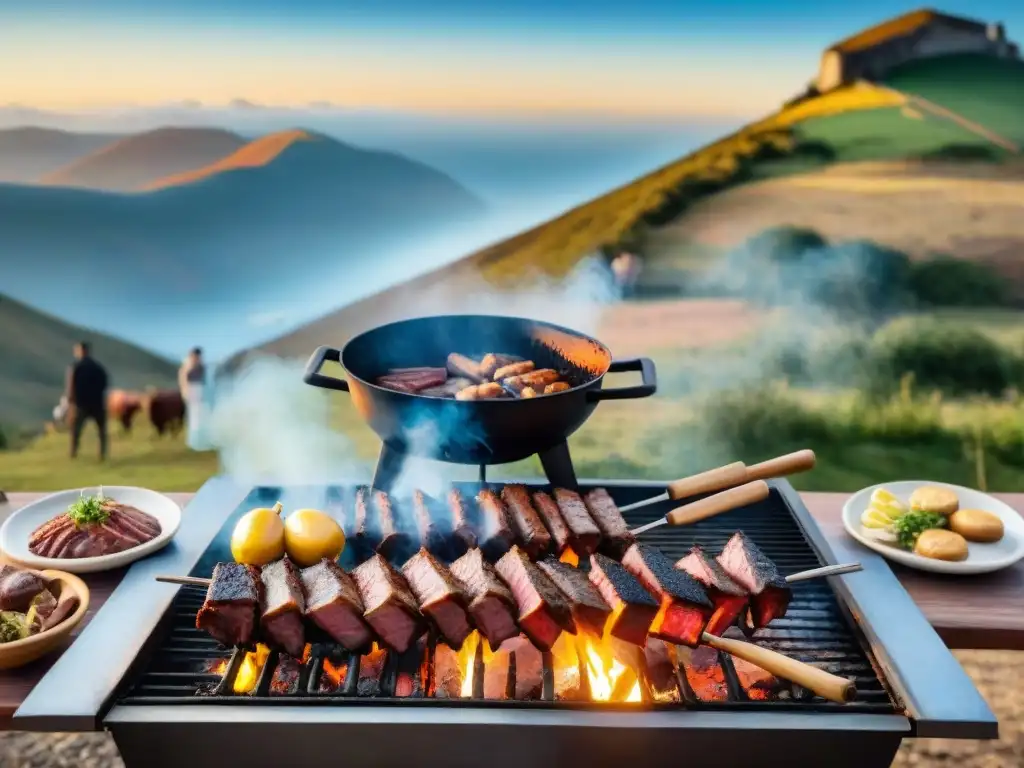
pixel 977 525
pixel 940 544
pixel 941 501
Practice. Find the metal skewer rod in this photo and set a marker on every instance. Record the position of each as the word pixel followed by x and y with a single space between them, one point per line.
pixel 189 580
pixel 825 571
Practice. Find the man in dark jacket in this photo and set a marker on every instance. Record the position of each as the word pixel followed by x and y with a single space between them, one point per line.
pixel 86 390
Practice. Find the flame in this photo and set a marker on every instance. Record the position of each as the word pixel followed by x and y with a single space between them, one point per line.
pixel 467 657
pixel 249 673
pixel 333 676
pixel 610 672
pixel 570 557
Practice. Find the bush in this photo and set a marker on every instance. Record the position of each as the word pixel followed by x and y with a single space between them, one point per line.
pixel 3 438
pixel 955 361
pixel 946 281
pixel 760 421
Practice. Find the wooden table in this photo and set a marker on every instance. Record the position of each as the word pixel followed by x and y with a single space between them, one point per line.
pixel 985 612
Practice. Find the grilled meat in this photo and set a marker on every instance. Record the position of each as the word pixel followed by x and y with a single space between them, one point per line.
pixel 334 605
pixel 496 535
pixel 527 393
pixel 440 597
pixel 492 361
pixel 413 379
pixel 633 608
pixel 363 531
pixel 487 391
pixel 534 379
pixel 390 607
pixel 589 609
pixel 431 531
pixel 232 603
pixel 556 386
pixel 728 597
pixel 282 607
pixel 616 538
pixel 125 527
pixel 685 607
pixel 544 612
pixel 466 368
pixel 584 535
pixel 512 369
pixel 492 606
pixel 548 511
pixel 462 528
pixel 525 521
pixel 392 538
pixel 450 388
pixel 751 568
pixel 19 587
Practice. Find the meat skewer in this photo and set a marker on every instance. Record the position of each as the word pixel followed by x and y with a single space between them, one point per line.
pixel 440 597
pixel 616 536
pixel 530 530
pixel 709 506
pixel 232 602
pixel 589 610
pixel 633 608
pixel 462 528
pixel 492 606
pixel 496 536
pixel 333 604
pixel 432 536
pixel 685 607
pixel 543 611
pixel 753 570
pixel 730 475
pixel 282 606
pixel 391 609
pixel 584 535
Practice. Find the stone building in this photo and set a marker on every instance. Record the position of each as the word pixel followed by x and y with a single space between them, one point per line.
pixel 920 34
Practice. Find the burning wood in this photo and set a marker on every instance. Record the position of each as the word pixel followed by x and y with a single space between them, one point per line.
pixel 596 669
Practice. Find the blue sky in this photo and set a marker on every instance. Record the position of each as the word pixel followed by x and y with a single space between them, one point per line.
pixel 642 58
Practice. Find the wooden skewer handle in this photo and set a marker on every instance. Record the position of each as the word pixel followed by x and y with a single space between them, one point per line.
pixel 191 580
pixel 740 496
pixel 825 684
pixel 706 482
pixel 780 466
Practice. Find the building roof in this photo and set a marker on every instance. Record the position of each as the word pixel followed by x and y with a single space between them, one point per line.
pixel 900 26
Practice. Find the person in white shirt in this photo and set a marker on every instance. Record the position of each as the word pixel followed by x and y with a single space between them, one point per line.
pixel 192 384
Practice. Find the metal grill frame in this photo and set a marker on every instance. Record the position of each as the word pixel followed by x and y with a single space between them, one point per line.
pixel 939 698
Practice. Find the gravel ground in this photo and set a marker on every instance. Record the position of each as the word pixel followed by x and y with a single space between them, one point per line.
pixel 999 675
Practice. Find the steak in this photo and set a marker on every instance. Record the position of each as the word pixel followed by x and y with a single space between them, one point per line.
pixel 752 569
pixel 392 538
pixel 615 535
pixel 492 606
pixel 334 605
pixel 232 603
pixel 283 605
pixel 544 612
pixel 496 535
pixel 363 532
pixel 525 521
pixel 463 532
pixel 123 528
pixel 589 609
pixel 390 607
pixel 431 532
pixel 584 535
pixel 728 597
pixel 548 511
pixel 685 607
pixel 633 608
pixel 440 597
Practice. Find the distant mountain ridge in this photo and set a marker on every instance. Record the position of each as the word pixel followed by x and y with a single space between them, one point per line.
pixel 29 153
pixel 137 162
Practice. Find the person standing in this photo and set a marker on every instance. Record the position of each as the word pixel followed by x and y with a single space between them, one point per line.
pixel 86 393
pixel 192 385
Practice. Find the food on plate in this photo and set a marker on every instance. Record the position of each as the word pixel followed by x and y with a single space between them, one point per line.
pixel 685 607
pixel 230 609
pixel 939 501
pixel 977 525
pixel 728 597
pixel 633 608
pixel 259 537
pixel 589 609
pixel 752 569
pixel 913 524
pixel 494 375
pixel 93 526
pixel 282 606
pixel 529 528
pixel 615 533
pixel 333 604
pixel 391 609
pixel 311 535
pixel 883 509
pixel 941 544
pixel 29 603
pixel 544 612
pixel 441 598
pixel 492 606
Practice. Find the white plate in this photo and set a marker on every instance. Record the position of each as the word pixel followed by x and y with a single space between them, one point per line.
pixel 981 558
pixel 17 529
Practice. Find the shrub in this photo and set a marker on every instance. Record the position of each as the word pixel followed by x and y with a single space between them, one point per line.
pixel 759 421
pixel 3 438
pixel 946 281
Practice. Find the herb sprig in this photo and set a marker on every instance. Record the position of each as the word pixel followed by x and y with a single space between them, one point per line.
pixel 89 509
pixel 913 524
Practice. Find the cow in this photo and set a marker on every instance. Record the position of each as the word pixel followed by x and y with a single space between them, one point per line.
pixel 166 409
pixel 123 405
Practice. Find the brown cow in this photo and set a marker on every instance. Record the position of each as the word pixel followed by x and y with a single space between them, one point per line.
pixel 166 410
pixel 123 405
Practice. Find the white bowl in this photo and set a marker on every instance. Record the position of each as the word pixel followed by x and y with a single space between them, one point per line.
pixel 16 530
pixel 981 558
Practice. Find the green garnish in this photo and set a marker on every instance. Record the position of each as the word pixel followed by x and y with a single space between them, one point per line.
pixel 89 509
pixel 14 626
pixel 913 524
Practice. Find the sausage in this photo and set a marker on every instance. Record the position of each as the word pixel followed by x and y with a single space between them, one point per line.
pixel 527 393
pixel 515 369
pixel 492 361
pixel 525 521
pixel 487 391
pixel 463 367
pixel 533 379
pixel 558 386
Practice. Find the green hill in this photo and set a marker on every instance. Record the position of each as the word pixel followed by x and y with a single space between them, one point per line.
pixel 35 348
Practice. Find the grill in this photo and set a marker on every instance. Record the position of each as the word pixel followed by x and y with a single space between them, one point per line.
pixel 171 697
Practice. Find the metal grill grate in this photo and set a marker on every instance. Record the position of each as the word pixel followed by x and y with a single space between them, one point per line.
pixel 186 666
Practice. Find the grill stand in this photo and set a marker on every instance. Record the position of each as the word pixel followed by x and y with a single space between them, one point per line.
pixel 556 462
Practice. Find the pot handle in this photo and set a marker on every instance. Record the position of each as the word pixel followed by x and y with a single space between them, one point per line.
pixel 648 375
pixel 314 378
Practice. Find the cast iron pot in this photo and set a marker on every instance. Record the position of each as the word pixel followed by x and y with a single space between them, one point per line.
pixel 476 431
